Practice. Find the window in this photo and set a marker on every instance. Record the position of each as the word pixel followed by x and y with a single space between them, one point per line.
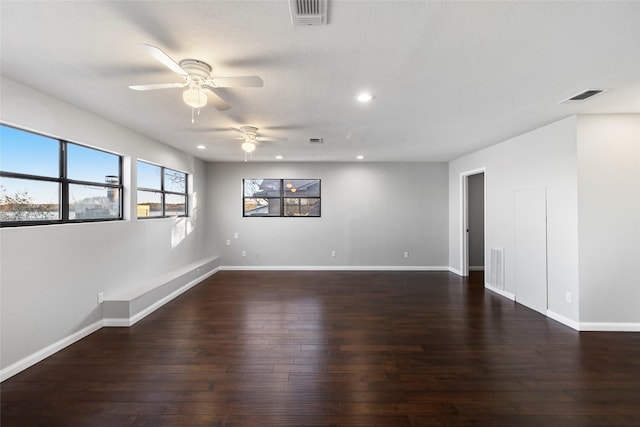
pixel 281 197
pixel 45 180
pixel 162 192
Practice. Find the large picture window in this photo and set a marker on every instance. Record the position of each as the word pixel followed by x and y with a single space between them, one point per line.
pixel 281 197
pixel 162 192
pixel 45 180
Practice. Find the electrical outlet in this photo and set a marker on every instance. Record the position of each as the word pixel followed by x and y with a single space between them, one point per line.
pixel 333 253
pixel 244 253
pixel 235 235
pixel 568 296
pixel 100 297
pixel 228 242
pixel 406 254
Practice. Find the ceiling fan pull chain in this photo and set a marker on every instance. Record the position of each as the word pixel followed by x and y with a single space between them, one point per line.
pixel 192 118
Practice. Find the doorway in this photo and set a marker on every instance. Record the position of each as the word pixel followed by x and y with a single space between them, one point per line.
pixel 473 196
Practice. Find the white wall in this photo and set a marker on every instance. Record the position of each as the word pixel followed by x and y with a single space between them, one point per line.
pixel 543 158
pixel 50 275
pixel 371 214
pixel 609 217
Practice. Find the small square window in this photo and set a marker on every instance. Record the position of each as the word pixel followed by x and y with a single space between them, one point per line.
pixel 281 197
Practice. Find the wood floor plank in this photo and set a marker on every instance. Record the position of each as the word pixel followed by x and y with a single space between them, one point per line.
pixel 335 348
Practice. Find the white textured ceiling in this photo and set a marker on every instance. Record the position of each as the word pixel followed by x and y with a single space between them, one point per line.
pixel 448 77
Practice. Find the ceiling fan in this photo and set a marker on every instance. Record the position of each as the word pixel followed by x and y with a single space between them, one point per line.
pixel 251 138
pixel 196 76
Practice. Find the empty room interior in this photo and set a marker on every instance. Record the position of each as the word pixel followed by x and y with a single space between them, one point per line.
pixel 319 212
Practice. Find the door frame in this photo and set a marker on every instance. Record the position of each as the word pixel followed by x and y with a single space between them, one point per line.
pixel 464 217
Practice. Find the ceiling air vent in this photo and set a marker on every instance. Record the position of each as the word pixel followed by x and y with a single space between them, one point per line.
pixel 583 95
pixel 316 140
pixel 308 12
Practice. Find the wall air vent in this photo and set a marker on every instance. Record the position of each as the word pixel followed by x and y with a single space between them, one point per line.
pixel 316 140
pixel 496 269
pixel 308 12
pixel 583 95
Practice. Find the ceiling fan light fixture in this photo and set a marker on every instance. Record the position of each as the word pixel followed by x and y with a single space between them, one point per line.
pixel 248 147
pixel 194 97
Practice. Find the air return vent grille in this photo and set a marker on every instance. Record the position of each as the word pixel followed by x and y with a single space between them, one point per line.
pixel 316 140
pixel 308 12
pixel 496 269
pixel 583 95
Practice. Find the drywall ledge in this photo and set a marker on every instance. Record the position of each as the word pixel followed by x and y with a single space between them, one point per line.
pixel 127 308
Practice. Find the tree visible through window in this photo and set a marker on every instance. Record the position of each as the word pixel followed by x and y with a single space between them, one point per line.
pixel 45 180
pixel 162 192
pixel 281 197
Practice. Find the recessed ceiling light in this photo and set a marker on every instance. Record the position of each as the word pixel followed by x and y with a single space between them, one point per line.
pixel 201 147
pixel 360 157
pixel 279 157
pixel 364 97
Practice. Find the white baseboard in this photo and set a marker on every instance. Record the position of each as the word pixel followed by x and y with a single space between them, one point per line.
pixel 459 272
pixel 609 327
pixel 594 326
pixel 40 355
pixel 564 320
pixel 333 268
pixel 454 271
pixel 505 294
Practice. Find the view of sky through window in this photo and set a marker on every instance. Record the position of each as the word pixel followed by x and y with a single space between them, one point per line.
pixel 32 154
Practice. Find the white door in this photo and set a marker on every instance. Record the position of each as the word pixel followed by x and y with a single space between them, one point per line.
pixel 531 248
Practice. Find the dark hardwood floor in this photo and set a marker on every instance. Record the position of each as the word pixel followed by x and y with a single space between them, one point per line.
pixel 335 348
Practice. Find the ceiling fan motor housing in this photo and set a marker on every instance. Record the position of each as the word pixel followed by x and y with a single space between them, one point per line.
pixel 198 70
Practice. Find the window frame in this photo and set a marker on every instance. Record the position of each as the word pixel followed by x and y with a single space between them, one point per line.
pixel 64 184
pixel 282 197
pixel 163 192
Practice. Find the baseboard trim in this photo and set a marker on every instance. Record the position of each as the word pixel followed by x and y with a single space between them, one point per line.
pixel 477 268
pixel 500 292
pixel 608 327
pixel 333 268
pixel 454 271
pixel 40 355
pixel 594 326
pixel 564 320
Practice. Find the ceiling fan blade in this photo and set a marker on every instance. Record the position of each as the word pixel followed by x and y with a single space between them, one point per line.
pixel 157 86
pixel 165 59
pixel 217 102
pixel 246 81
pixel 271 139
pixel 240 131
